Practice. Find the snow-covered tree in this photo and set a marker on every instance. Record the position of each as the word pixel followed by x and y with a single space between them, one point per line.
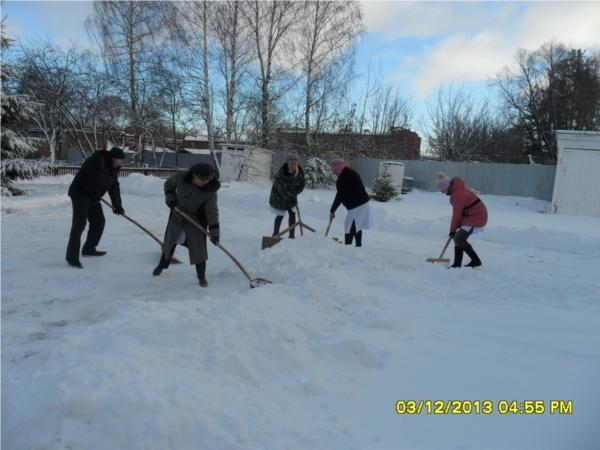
pixel 318 173
pixel 16 110
pixel 383 190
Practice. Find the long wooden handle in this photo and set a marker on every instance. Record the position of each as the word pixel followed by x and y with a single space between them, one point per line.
pixel 192 221
pixel 328 226
pixel 287 229
pixel 299 219
pixel 135 223
pixel 445 247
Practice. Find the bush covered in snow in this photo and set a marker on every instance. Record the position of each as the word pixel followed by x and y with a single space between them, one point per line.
pixel 318 174
pixel 16 109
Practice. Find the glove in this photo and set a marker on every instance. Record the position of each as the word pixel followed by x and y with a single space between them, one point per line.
pixel 331 216
pixel 172 204
pixel 119 211
pixel 215 240
pixel 452 233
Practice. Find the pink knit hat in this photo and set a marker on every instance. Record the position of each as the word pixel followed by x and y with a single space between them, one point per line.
pixel 337 164
pixel 442 182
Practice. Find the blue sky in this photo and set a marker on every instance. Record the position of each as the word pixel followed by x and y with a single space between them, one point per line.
pixel 419 44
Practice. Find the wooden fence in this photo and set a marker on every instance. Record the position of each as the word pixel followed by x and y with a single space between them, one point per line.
pixel 72 169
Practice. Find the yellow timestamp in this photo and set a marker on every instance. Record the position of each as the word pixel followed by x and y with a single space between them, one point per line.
pixel 483 407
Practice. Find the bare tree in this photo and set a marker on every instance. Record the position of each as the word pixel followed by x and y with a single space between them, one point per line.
pixel 128 33
pixel 234 36
pixel 459 128
pixel 272 23
pixel 528 92
pixel 326 30
pixel 191 27
pixel 49 75
pixel 176 107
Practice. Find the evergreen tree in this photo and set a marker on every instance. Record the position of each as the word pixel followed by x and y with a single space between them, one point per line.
pixel 15 109
pixel 382 189
pixel 318 173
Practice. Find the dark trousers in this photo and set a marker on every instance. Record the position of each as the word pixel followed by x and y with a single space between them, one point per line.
pixel 353 234
pixel 461 236
pixel 84 211
pixel 291 221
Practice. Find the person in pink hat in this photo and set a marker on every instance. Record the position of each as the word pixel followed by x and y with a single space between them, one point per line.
pixel 352 194
pixel 469 216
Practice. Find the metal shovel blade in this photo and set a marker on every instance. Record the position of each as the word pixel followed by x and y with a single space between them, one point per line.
pixel 268 241
pixel 258 282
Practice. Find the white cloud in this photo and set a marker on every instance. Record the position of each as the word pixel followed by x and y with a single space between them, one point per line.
pixel 63 21
pixel 576 23
pixel 459 58
pixel 471 41
pixel 429 19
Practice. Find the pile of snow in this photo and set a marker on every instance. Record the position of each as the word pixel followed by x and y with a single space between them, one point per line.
pixel 111 357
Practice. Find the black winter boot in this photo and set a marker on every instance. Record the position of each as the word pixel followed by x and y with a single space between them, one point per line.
pixel 74 263
pixel 475 261
pixel 292 221
pixel 162 264
pixel 201 272
pixel 359 239
pixel 92 252
pixel 277 225
pixel 458 256
pixel 348 238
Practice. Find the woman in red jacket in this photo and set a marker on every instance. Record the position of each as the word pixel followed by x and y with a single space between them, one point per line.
pixel 469 216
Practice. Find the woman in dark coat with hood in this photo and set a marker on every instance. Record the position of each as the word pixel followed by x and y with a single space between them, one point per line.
pixel 194 191
pixel 288 184
pixel 469 216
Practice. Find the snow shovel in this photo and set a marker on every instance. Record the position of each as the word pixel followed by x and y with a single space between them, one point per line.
pixel 173 259
pixel 254 282
pixel 440 260
pixel 327 231
pixel 270 241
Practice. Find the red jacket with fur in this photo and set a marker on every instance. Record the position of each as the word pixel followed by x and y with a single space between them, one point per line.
pixel 467 208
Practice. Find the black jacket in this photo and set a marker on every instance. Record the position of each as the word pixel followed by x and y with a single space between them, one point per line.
pixel 97 176
pixel 286 188
pixel 351 191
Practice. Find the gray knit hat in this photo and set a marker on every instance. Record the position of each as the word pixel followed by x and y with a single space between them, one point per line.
pixel 293 157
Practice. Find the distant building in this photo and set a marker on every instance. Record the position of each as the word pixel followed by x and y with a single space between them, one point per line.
pixel 397 143
pixel 195 142
pixel 65 142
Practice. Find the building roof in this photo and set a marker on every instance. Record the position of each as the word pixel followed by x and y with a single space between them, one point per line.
pixel 195 151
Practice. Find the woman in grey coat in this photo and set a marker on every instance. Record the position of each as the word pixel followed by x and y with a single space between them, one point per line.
pixel 194 191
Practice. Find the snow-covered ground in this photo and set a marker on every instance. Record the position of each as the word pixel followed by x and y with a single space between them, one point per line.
pixel 110 357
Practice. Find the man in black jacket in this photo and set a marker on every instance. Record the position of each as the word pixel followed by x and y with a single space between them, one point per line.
pixel 352 194
pixel 98 174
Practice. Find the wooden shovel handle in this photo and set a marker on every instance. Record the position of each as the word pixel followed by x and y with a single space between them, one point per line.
pixel 299 219
pixel 193 222
pixel 135 223
pixel 445 247
pixel 328 226
pixel 282 233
